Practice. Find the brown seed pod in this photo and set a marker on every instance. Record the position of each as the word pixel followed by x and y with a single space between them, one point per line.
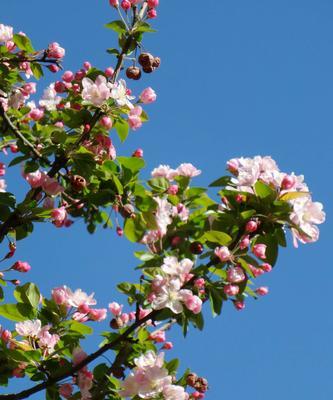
pixel 149 69
pixel 133 73
pixel 157 62
pixel 191 379
pixel 146 59
pixel 78 183
pixel 127 211
pixel 116 323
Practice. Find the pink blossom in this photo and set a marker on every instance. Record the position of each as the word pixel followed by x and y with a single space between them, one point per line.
pixel 30 328
pixel 106 122
pixel 6 33
pixel 59 215
pixel 164 171
pixel 78 356
pixel 21 266
pixel 251 226
pixel 223 253
pixel 47 340
pixel 152 13
pixel 114 3
pixel 3 186
pixel 173 189
pixel 266 267
pixel 188 170
pixel 173 392
pixel 50 99
pixel 66 390
pixel 231 290
pixel 235 275
pixel 59 295
pixel 125 318
pixel 172 266
pixel 29 88
pixel 125 5
pixel 68 76
pixel 167 346
pixel 115 308
pixel 153 3
pixel 262 291
pixel 134 119
pixel 121 94
pixel 157 336
pixel 138 153
pixel 192 302
pixel 259 250
pixel 35 179
pixel 109 71
pixel 181 212
pixel 55 51
pixel 256 271
pixel 87 65
pixel 98 314
pixel 2 169
pixel 51 186
pixel 77 298
pixel 199 283
pixel 148 96
pixel 6 335
pixel 244 243
pixel 239 305
pixel 96 92
pixel 36 114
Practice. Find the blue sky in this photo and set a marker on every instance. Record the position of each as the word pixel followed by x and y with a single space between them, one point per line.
pixel 237 78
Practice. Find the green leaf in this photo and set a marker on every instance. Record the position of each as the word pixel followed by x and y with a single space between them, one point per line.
pixel 122 128
pixel 134 164
pixel 80 328
pixel 293 195
pixel 7 199
pixel 117 26
pixel 264 191
pixel 159 184
pixel 113 51
pixel 144 27
pixel 23 43
pixel 17 312
pixel 37 70
pixel 216 301
pixel 221 238
pixel 28 294
pixel 134 228
pixel 223 181
pixel 172 366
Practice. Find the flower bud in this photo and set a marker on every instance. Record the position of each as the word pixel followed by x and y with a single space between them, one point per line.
pixel 138 153
pixel 21 266
pixel 251 226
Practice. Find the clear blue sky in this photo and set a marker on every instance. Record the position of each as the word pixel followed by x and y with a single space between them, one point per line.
pixel 237 78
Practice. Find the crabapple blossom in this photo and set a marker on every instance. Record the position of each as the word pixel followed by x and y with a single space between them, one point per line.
pixel 262 291
pixel 106 122
pixel 96 92
pixel 30 328
pixel 3 186
pixel 173 392
pixel 6 33
pixel 223 253
pixel 55 51
pixel 259 250
pixel 188 170
pixel 119 93
pixel 21 266
pixel 134 119
pixel 50 100
pixel 148 96
pixel 231 290
pixel 158 336
pixel 236 275
pixel 115 308
pixel 164 171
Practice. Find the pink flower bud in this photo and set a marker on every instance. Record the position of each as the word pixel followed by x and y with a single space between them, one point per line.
pixel 259 250
pixel 251 226
pixel 59 295
pixel 66 390
pixel 106 122
pixel 79 75
pixel 60 87
pixel 98 315
pixel 153 3
pixel 21 266
pixel 55 51
pixel 223 253
pixel 119 231
pixel 115 308
pixel 6 335
pixel 59 124
pixel 239 305
pixel 138 153
pixel 231 290
pixel 134 122
pixel 193 303
pixel 266 267
pixel 148 95
pixel 262 291
pixel 59 215
pixel 152 13
pixel 131 316
pixel 256 271
pixel 86 65
pixel 29 88
pixel 173 189
pixel 236 275
pixel 109 71
pixel 114 3
pixel 84 309
pixel 36 114
pixel 13 148
pixel 199 283
pixel 68 76
pixel 197 395
pixel 53 68
pixel 288 182
pixel 244 243
pixel 167 346
pixel 125 5
pixel 125 318
pixel 158 336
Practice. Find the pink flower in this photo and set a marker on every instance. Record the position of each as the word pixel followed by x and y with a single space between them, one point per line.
pixel 199 283
pixel 173 189
pixel 223 253
pixel 259 250
pixel 251 226
pixel 231 290
pixel 78 356
pixel 36 114
pixel 244 243
pixel 192 302
pixel 106 122
pixel 125 318
pixel 167 346
pixel 188 170
pixel 59 295
pixel 153 3
pixel 148 96
pixel 21 266
pixel 239 305
pixel 262 291
pixel 51 186
pixel 2 169
pixel 173 392
pixel 6 335
pixel 30 328
pixel 115 308
pixel 55 51
pixel 6 33
pixel 164 171
pixel 35 179
pixel 138 153
pixel 114 3
pixel 134 119
pixel 158 336
pixel 98 314
pixel 236 275
pixel 59 215
pixel 172 266
pixel 66 390
pixel 109 71
pixel 96 92
pixel 68 76
pixel 3 186
pixel 266 267
pixel 29 88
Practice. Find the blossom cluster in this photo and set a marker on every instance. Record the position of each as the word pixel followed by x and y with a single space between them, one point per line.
pixel 306 214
